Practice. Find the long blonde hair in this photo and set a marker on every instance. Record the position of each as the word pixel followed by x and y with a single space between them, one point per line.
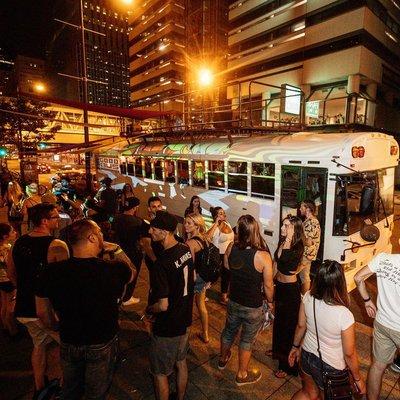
pixel 14 192
pixel 201 225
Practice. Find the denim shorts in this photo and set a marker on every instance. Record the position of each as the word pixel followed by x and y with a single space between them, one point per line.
pixel 247 318
pixel 310 364
pixel 200 284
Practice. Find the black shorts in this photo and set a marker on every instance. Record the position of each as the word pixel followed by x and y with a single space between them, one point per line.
pixel 7 287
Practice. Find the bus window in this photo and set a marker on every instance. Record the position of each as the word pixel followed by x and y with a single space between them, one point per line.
pixel 138 167
pixel 131 170
pixel 216 179
pixel 237 177
pixel 183 172
pixel 198 173
pixel 169 166
pixel 122 168
pixel 158 170
pixel 263 180
pixel 357 199
pixel 291 183
pixel 147 168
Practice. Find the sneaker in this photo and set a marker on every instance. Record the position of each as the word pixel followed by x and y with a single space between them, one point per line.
pixel 395 367
pixel 252 376
pixel 222 364
pixel 131 301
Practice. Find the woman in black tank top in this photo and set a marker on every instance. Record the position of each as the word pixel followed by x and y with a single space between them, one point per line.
pixel 195 229
pixel 287 257
pixel 250 265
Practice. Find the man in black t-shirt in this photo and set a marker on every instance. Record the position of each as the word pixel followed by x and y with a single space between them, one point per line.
pixel 128 229
pixel 107 197
pixel 84 292
pixel 172 291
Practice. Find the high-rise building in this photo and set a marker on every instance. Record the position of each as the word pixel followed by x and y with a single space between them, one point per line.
pixel 106 39
pixel 344 56
pixel 106 53
pixel 28 72
pixel 157 54
pixel 6 72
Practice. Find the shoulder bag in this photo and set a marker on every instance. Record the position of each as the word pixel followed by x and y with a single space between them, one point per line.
pixel 336 384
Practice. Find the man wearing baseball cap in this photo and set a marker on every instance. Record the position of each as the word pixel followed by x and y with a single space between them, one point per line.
pixel 172 291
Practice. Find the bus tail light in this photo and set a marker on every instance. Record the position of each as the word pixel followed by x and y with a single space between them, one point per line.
pixel 394 150
pixel 357 152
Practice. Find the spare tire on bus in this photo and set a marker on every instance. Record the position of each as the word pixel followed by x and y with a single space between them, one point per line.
pixel 369 233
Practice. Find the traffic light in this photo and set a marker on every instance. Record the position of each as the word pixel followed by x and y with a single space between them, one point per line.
pixel 3 152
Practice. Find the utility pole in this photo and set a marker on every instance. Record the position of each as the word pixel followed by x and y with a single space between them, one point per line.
pixel 88 174
pixel 84 79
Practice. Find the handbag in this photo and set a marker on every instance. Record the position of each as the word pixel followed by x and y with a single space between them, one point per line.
pixel 336 385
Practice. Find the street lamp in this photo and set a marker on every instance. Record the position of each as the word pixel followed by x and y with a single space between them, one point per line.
pixel 205 77
pixel 39 87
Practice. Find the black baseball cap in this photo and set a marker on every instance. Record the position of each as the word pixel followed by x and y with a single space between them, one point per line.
pixel 165 221
pixel 130 203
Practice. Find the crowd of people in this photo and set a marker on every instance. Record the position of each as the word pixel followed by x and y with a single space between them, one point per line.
pixel 65 283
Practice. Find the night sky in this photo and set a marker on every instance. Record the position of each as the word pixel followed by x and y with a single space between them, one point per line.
pixel 26 26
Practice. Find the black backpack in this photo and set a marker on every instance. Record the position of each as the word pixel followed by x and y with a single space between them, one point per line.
pixel 209 265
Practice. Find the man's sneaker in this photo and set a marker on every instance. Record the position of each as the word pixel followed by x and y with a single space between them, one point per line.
pixel 253 376
pixel 222 364
pixel 395 367
pixel 131 301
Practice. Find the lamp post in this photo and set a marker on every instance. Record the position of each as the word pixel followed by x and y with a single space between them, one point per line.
pixel 88 175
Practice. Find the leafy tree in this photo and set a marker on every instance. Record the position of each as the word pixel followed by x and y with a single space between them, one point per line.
pixel 26 127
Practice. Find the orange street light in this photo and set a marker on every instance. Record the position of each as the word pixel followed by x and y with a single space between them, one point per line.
pixel 39 87
pixel 205 77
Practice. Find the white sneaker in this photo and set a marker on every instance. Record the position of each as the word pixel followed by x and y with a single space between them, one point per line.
pixel 131 301
pixel 395 367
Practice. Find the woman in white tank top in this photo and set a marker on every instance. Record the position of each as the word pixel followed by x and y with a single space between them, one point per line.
pixel 221 234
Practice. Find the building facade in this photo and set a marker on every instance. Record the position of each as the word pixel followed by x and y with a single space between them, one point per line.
pixel 343 55
pixel 106 53
pixel 6 73
pixel 157 54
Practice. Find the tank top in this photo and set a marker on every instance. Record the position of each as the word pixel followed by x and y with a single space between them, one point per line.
pixel 246 281
pixel 222 240
pixel 30 257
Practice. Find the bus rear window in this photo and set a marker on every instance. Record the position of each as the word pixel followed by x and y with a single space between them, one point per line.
pixel 361 197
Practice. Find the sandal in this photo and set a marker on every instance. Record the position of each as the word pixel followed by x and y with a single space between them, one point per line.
pixel 280 374
pixel 201 337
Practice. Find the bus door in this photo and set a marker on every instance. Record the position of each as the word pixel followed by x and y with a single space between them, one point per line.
pixel 299 183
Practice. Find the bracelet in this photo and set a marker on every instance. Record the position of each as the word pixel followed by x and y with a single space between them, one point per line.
pixel 295 346
pixel 366 300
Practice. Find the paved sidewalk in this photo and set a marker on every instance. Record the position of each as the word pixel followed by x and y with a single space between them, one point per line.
pixel 132 379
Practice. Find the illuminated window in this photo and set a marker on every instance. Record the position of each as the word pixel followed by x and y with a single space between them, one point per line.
pixel 198 174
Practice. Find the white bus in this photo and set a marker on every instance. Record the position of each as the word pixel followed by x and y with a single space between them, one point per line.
pixel 350 177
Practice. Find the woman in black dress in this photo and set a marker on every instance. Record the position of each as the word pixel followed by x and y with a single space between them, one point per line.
pixel 288 256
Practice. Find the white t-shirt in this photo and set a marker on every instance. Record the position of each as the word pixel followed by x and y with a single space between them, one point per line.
pixel 331 321
pixel 222 240
pixel 387 269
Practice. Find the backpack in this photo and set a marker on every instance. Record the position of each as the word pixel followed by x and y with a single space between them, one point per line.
pixel 209 265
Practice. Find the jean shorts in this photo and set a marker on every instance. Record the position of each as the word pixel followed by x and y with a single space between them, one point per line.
pixel 200 284
pixel 310 364
pixel 247 318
